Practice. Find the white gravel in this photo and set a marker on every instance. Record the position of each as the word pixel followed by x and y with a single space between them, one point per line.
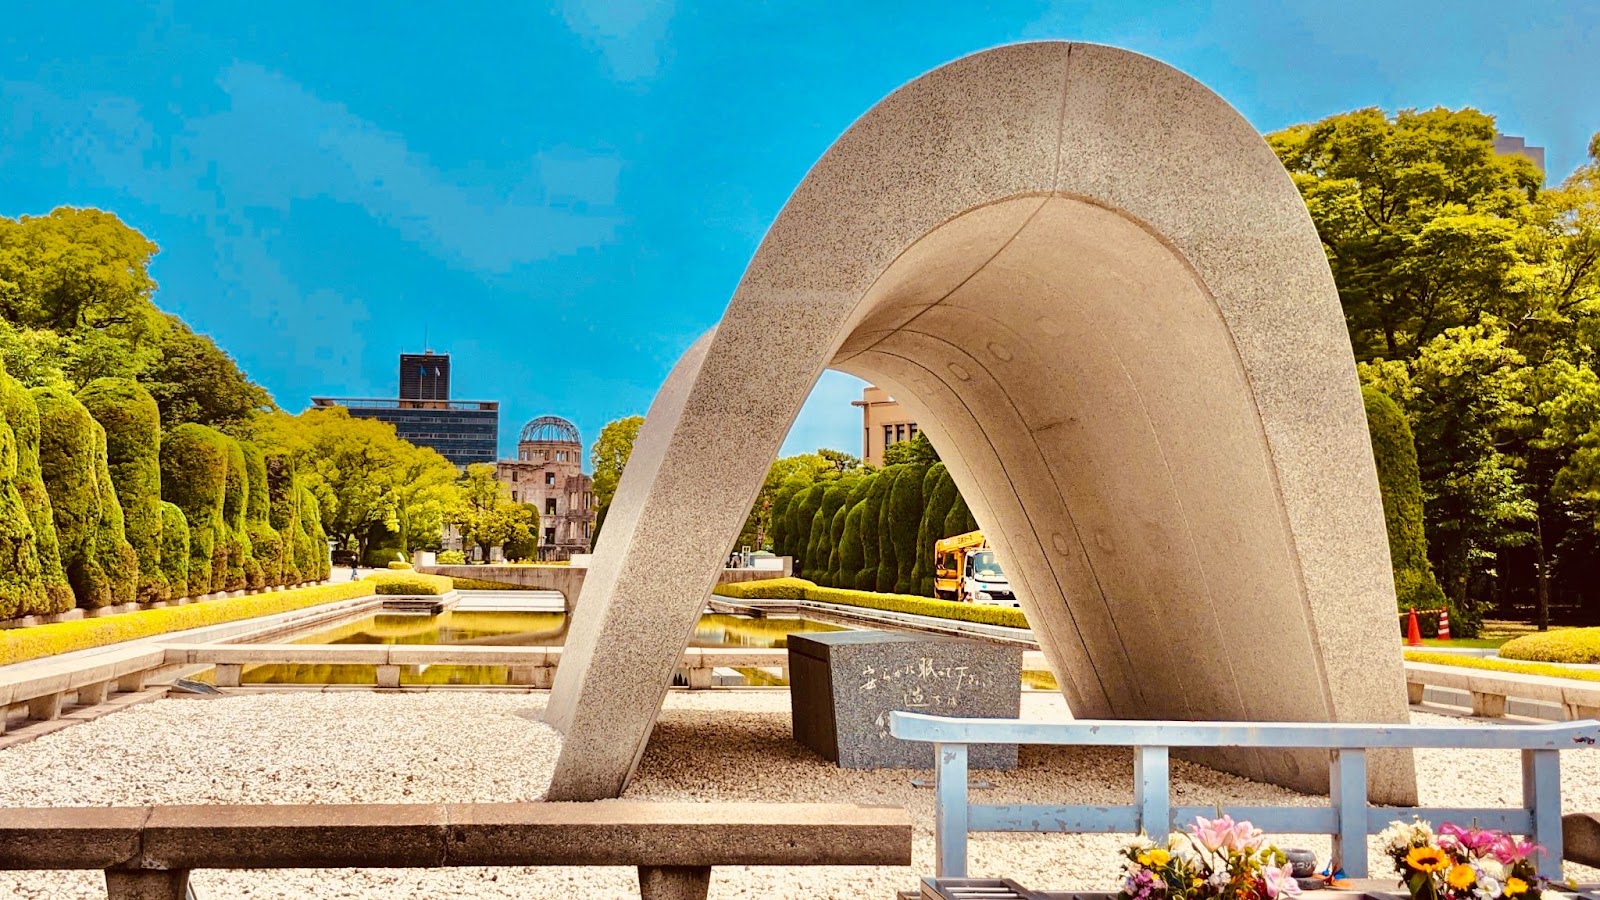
pixel 723 745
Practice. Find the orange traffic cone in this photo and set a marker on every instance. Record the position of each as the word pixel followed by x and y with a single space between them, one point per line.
pixel 1413 633
pixel 1444 624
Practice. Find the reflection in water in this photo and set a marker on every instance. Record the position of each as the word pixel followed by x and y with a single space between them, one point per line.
pixel 520 629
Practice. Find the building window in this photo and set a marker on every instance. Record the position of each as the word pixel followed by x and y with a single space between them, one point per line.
pixel 888 435
pixel 513 496
pixel 513 476
pixel 899 433
pixel 549 478
pixel 550 535
pixel 549 506
pixel 913 430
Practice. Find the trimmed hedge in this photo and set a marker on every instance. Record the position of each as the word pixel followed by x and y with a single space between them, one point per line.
pixel 100 564
pixel 235 500
pixel 317 564
pixel 865 577
pixel 19 555
pixel 1569 645
pixel 409 583
pixel 1496 665
pixel 765 589
pixel 266 545
pixel 22 415
pixel 132 424
pixel 175 549
pixel 800 589
pixel 21 644
pixel 451 558
pixel 400 566
pixel 938 491
pixel 1395 453
pixel 283 509
pixel 479 584
pixel 905 525
pixel 801 515
pixel 194 474
pixel 888 559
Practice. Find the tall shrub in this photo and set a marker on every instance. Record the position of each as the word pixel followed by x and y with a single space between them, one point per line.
pixel 819 548
pixel 959 520
pixel 175 549
pixel 283 496
pixel 938 492
pixel 22 415
pixel 266 545
pixel 802 509
pixel 194 475
pixel 132 423
pixel 317 565
pixel 1395 453
pixel 99 562
pixel 851 560
pixel 20 576
pixel 888 558
pixel 235 500
pixel 905 519
pixel 866 577
pixel 839 576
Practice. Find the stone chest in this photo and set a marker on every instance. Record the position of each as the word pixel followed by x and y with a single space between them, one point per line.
pixel 844 684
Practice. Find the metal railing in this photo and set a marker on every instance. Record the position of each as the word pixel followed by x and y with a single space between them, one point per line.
pixel 1348 818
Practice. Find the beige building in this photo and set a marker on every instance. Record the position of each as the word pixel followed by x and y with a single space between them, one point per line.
pixel 883 422
pixel 1510 144
pixel 548 473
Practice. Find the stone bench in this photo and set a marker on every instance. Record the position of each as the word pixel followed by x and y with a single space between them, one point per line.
pixel 45 687
pixel 1490 689
pixel 148 852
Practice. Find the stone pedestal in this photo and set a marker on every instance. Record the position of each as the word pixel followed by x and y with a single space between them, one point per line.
pixel 844 684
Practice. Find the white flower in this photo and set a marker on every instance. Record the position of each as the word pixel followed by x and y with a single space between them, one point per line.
pixel 1488 887
pixel 1489 867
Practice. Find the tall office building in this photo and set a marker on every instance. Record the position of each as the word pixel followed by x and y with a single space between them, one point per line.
pixel 463 431
pixel 883 422
pixel 425 376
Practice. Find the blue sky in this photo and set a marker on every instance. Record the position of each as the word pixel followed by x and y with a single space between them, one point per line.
pixel 564 197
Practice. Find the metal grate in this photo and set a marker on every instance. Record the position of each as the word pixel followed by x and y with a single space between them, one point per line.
pixel 975 889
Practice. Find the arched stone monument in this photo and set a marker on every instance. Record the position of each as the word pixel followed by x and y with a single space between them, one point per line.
pixel 1102 297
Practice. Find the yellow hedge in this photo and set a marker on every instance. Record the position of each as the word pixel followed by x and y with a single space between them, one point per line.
pixel 1498 665
pixel 766 589
pixel 409 583
pixel 478 584
pixel 801 589
pixel 399 566
pixel 1569 645
pixel 21 644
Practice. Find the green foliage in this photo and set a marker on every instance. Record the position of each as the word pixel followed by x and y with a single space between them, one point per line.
pixel 311 551
pixel 819 560
pixel 132 425
pixel 283 509
pixel 800 516
pixel 917 452
pixel 194 476
pixel 608 456
pixel 1401 486
pixel 905 510
pixel 888 559
pixel 20 575
pixel 193 380
pixel 266 544
pixel 866 576
pixel 851 556
pixel 838 575
pixel 21 415
pixel 1569 645
pixel 524 544
pixel 175 549
pixel 21 644
pixel 959 520
pixel 938 493
pixel 240 571
pixel 487 515
pixel 451 558
pixel 408 583
pixel 100 565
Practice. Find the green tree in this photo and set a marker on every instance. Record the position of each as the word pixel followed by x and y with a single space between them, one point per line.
pixel 1401 485
pixel 20 574
pixel 22 417
pixel 133 451
pixel 193 380
pixel 194 477
pixel 266 544
pixel 938 493
pixel 866 576
pixel 175 549
pixel 100 564
pixel 609 455
pixel 905 509
pixel 487 515
pixel 917 452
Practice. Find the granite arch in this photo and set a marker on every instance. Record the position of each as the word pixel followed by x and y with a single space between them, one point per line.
pixel 1102 296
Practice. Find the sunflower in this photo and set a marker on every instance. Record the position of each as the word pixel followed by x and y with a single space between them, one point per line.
pixel 1461 876
pixel 1426 859
pixel 1515 886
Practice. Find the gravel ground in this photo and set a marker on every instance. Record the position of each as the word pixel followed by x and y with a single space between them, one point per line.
pixel 723 745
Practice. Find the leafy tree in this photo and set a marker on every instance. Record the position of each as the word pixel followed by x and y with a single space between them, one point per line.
pixel 20 575
pixel 905 509
pixel 193 380
pixel 487 515
pixel 21 414
pixel 133 451
pixel 938 494
pixel 610 454
pixel 100 564
pixel 194 478
pixel 175 549
pixel 917 452
pixel 1401 486
pixel 866 576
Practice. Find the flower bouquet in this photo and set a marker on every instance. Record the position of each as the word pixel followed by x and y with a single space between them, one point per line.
pixel 1462 864
pixel 1213 859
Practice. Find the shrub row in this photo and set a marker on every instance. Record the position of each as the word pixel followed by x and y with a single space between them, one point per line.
pixel 801 589
pixel 21 644
pixel 1496 665
pixel 479 584
pixel 1569 645
pixel 391 583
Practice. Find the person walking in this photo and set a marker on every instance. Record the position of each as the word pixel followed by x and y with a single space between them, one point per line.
pixel 353 575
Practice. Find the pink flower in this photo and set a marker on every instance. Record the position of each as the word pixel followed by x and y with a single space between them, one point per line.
pixel 1281 881
pixel 1509 850
pixel 1476 841
pixel 1223 833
